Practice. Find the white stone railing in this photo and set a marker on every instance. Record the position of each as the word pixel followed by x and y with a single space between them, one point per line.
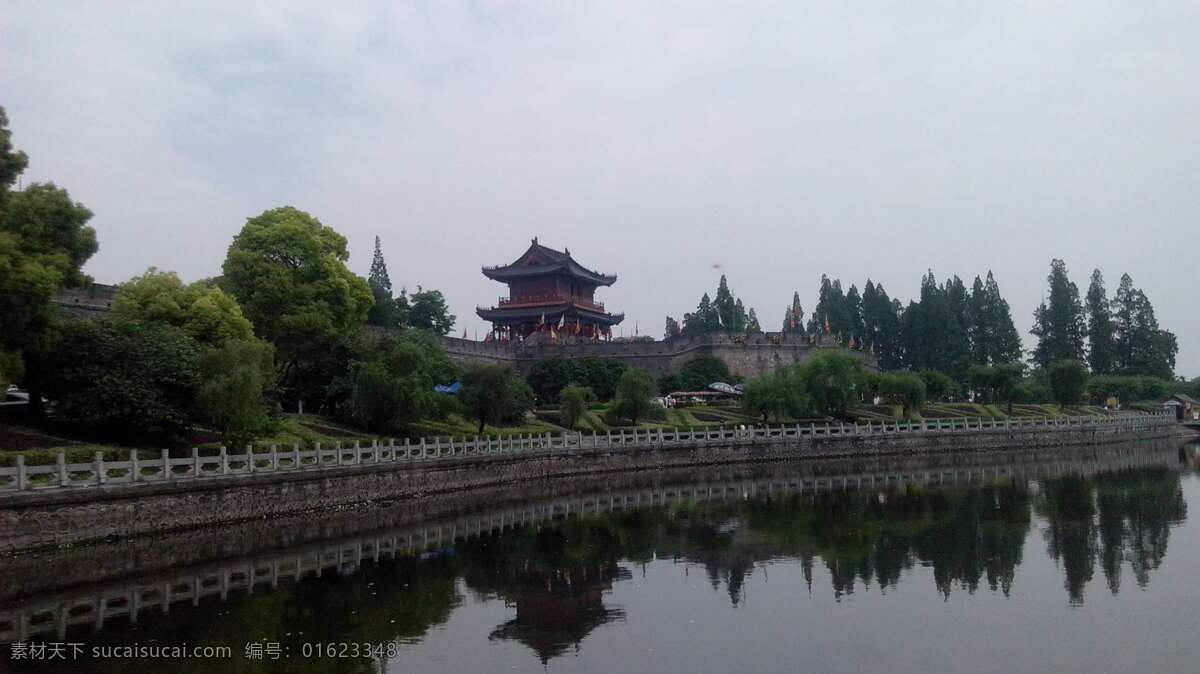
pixel 164 468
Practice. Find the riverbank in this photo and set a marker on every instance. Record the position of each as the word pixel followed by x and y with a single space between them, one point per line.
pixel 117 580
pixel 60 515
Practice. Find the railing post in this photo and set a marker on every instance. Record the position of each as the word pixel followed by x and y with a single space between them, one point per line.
pixel 167 473
pixel 274 457
pixel 135 470
pixel 22 479
pixel 250 457
pixel 195 462
pixel 101 478
pixel 224 460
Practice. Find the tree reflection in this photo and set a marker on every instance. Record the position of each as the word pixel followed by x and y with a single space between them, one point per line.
pixel 557 577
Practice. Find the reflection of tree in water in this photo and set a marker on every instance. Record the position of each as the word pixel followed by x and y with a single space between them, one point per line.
pixel 864 537
pixel 556 575
pixel 1120 517
pixel 1135 509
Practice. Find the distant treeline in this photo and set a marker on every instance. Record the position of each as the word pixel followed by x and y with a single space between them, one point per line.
pixel 951 327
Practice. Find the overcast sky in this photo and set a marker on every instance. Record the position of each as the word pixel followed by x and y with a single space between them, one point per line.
pixel 657 140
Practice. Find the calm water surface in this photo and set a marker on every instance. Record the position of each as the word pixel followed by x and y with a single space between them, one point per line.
pixel 1087 571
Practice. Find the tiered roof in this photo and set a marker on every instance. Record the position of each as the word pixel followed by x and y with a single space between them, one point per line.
pixel 539 260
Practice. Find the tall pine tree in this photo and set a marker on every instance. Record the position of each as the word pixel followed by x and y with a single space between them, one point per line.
pixel 881 326
pixel 993 336
pixel 1059 324
pixel 1142 348
pixel 1102 346
pixel 386 312
pixel 793 317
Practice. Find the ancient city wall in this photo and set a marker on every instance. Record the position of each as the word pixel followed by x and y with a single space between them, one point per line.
pixel 746 356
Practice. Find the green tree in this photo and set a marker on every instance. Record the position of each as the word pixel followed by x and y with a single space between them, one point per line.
pixel 494 394
pixel 1059 324
pixel 672 328
pixel 934 329
pixel 12 161
pixel 699 372
pixel 634 398
pixel 730 309
pixel 705 320
pixel 793 317
pixel 1142 348
pixel 288 272
pixel 548 376
pixel 1068 381
pixel 854 315
pixel 905 389
pixel 779 396
pixel 831 308
pixel 881 326
pixel 237 378
pixel 993 336
pixel 389 382
pixel 428 311
pixel 1102 347
pixel 938 386
pixel 44 241
pixel 1127 388
pixel 752 324
pixel 125 378
pixel 204 312
pixel 572 404
pixel 998 383
pixel 830 381
pixel 387 311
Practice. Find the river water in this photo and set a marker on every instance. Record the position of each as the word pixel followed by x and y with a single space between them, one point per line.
pixel 1079 563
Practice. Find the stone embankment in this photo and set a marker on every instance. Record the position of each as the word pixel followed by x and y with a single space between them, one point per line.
pixel 62 503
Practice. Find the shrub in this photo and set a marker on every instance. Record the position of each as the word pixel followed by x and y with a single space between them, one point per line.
pixel 938 386
pixel 634 396
pixel 572 404
pixel 129 378
pixel 549 376
pixel 494 393
pixel 832 380
pixel 779 395
pixel 698 373
pixel 237 379
pixel 1068 381
pixel 905 389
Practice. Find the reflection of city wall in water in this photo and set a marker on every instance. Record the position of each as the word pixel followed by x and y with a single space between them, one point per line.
pixel 47 613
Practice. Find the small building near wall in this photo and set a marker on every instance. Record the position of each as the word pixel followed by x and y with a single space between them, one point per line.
pixel 1184 407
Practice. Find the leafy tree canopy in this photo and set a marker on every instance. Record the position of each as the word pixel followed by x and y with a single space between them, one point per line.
pixel 1068 381
pixel 494 394
pixel 288 271
pixel 121 377
pixel 634 397
pixel 428 311
pixel 44 241
pixel 203 311
pixel 572 404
